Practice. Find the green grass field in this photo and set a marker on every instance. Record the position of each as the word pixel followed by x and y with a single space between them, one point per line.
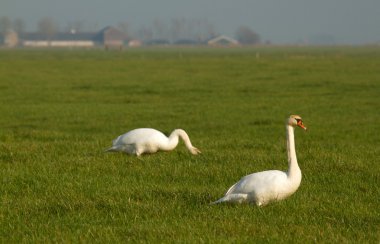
pixel 60 109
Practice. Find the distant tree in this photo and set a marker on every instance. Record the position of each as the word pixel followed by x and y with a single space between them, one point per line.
pixel 92 27
pixel 176 28
pixel 144 33
pixel 47 27
pixel 160 29
pixel 203 30
pixel 246 35
pixel 5 24
pixel 211 30
pixel 75 26
pixel 123 27
pixel 181 28
pixel 19 25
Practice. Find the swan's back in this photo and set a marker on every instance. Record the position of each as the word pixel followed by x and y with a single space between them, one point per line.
pixel 140 135
pixel 139 141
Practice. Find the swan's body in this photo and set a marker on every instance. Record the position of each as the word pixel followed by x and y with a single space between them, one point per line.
pixel 147 140
pixel 272 185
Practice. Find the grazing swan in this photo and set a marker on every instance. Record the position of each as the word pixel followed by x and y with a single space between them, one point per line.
pixel 272 185
pixel 146 140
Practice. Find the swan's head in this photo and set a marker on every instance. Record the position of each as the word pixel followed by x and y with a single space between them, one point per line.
pixel 195 150
pixel 296 120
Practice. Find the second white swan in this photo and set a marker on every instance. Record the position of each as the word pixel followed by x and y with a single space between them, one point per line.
pixel 147 140
pixel 264 187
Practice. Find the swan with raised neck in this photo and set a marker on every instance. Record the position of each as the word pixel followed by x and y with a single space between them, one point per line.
pixel 264 187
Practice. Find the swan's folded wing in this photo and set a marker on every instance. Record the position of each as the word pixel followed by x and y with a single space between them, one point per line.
pixel 257 182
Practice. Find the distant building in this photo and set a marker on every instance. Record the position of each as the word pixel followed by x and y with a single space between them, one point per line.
pixel 10 38
pixel 108 37
pixel 135 43
pixel 69 39
pixel 223 41
pixel 111 37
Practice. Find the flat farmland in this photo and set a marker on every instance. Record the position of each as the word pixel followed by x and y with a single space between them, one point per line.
pixel 60 109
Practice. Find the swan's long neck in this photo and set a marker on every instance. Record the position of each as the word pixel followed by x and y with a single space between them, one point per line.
pixel 173 139
pixel 172 142
pixel 294 170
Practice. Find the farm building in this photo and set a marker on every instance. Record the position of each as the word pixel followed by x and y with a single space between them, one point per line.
pixel 10 38
pixel 57 40
pixel 222 41
pixel 111 37
pixel 107 37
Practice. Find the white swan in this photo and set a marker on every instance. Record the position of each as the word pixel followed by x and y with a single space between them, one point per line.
pixel 147 140
pixel 272 185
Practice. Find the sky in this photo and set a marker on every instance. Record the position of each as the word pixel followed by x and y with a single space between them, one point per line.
pixel 278 21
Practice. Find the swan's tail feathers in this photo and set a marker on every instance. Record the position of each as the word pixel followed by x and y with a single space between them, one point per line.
pixel 112 149
pixel 232 198
pixel 218 201
pixel 127 148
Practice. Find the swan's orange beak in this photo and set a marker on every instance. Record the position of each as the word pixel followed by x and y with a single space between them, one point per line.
pixel 300 124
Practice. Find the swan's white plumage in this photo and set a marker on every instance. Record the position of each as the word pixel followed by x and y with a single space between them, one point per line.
pixel 272 185
pixel 147 140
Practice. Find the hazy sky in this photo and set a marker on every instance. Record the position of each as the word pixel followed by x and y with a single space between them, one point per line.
pixel 280 21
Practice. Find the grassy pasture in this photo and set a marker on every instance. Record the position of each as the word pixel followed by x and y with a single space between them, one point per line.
pixel 59 109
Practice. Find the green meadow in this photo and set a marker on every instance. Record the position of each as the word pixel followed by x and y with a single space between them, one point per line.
pixel 59 110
